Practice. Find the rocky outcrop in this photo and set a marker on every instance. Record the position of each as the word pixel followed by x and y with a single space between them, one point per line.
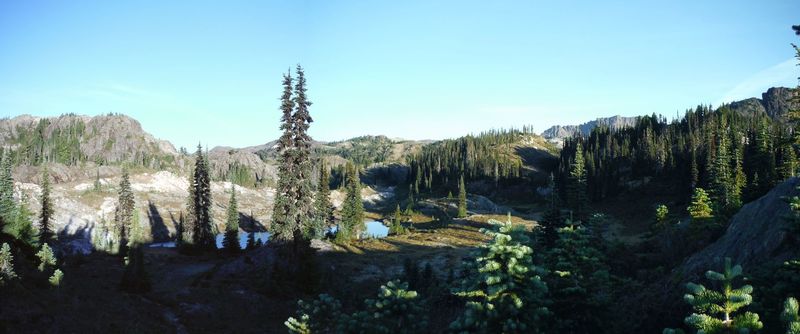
pixel 758 234
pixel 775 103
pixel 557 133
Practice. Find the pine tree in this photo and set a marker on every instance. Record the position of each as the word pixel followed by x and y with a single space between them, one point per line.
pixel 396 310
pixel 45 230
pixel 577 191
pixel 123 214
pixel 506 294
pixel 202 235
pixel 323 208
pixel 716 308
pixel 46 257
pixel 303 194
pixel 551 220
pixel 579 282
pixel 7 205
pixel 284 211
pixel 396 228
pixel 231 240
pixel 6 264
pixel 55 279
pixel 462 198
pixel 322 315
pixel 21 225
pixel 353 207
pixel 135 278
pixel 700 207
pixel 790 316
pixel 661 214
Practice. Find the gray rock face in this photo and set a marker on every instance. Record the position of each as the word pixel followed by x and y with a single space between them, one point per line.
pixel 757 234
pixel 558 133
pixel 775 103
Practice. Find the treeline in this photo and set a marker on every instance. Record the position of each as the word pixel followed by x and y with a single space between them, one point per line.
pixel 737 157
pixel 490 155
pixel 362 151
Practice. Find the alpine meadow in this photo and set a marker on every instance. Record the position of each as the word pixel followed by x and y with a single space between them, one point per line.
pixel 411 167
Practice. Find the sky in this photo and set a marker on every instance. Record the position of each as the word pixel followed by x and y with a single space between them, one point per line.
pixel 210 71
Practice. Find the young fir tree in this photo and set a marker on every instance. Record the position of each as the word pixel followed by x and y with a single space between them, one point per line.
pixel 284 211
pixel 56 278
pixel 551 220
pixel 700 208
pixel 353 207
pixel 323 208
pixel 46 257
pixel 506 294
pixel 7 205
pixel 722 180
pixel 790 316
pixel 123 214
pixel 579 282
pixel 21 225
pixel 303 192
pixel 321 315
pixel 661 214
pixel 202 234
pixel 462 198
pixel 396 228
pixel 231 240
pixel 577 194
pixel 716 309
pixel 46 214
pixel 135 278
pixel 6 264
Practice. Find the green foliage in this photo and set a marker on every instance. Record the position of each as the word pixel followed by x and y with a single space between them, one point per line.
pixel 202 237
pixel 46 257
pixel 6 264
pixel 715 309
pixel 397 228
pixel 661 214
pixel 462 198
pixel 46 213
pixel 790 317
pixel 321 315
pixel 579 281
pixel 323 208
pixel 353 208
pixel 55 279
pixel 506 294
pixel 230 242
pixel 364 150
pixel 395 310
pixel 577 194
pixel 490 155
pixel 7 204
pixel 700 208
pixel 123 214
pixel 21 226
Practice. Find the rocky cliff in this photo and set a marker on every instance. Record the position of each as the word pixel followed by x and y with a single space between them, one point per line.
pixel 557 133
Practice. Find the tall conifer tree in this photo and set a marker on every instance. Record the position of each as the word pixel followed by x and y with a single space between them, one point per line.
pixel 462 198
pixel 45 228
pixel 231 240
pixel 303 194
pixel 283 211
pixel 202 235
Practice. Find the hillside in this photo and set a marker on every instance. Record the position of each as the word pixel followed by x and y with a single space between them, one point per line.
pixel 557 133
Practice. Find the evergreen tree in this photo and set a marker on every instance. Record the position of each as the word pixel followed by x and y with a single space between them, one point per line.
pixel 462 198
pixel 790 316
pixel 135 278
pixel 231 240
pixel 700 207
pixel 303 193
pixel 322 315
pixel 123 214
pixel 284 211
pixel 396 310
pixel 7 205
pixel 579 281
pixel 21 225
pixel 577 192
pixel 506 294
pixel 551 220
pixel 353 207
pixel 55 279
pixel 716 308
pixel 202 234
pixel 6 264
pixel 46 257
pixel 45 230
pixel 661 214
pixel 396 228
pixel 322 204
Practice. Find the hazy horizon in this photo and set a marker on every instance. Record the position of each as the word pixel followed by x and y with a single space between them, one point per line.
pixel 412 70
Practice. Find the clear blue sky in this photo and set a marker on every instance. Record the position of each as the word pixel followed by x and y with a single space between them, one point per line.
pixel 210 71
